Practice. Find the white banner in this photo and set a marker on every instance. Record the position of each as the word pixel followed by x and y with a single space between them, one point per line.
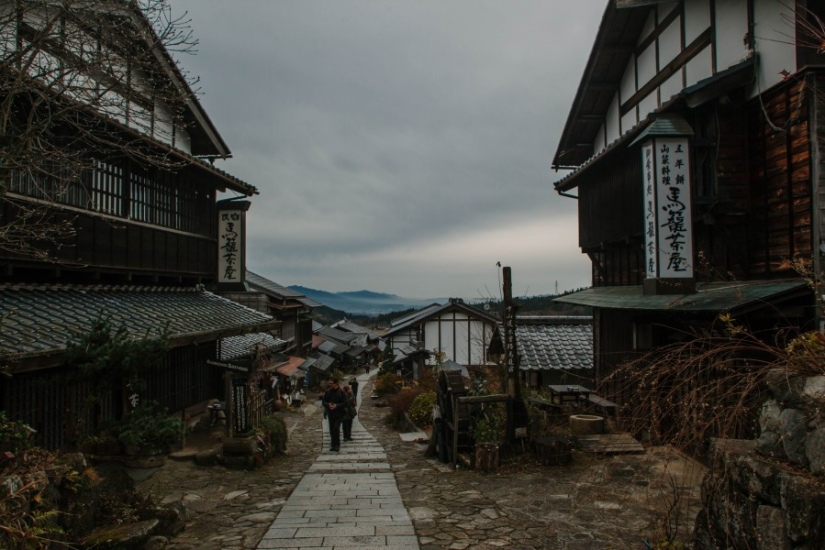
pixel 667 214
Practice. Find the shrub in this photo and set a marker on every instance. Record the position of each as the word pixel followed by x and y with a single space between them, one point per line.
pixel 421 410
pixel 274 427
pixel 148 430
pixel 389 383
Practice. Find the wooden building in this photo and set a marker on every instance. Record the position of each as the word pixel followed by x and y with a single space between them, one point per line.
pixel 551 349
pixel 695 144
pixel 150 242
pixel 460 332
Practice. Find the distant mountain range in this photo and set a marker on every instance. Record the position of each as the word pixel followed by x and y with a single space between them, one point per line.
pixel 364 302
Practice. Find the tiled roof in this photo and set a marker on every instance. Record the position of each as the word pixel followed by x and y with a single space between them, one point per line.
pixel 430 311
pixel 546 343
pixel 39 319
pixel 331 346
pixel 322 362
pixel 279 292
pixel 349 326
pixel 235 347
pixel 338 335
pixel 271 287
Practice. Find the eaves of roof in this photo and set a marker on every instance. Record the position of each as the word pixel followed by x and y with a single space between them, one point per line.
pixel 614 44
pixel 556 346
pixel 733 296
pixel 247 345
pixel 38 320
pixel 431 311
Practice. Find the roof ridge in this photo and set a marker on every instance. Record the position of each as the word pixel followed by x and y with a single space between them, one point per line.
pixel 96 287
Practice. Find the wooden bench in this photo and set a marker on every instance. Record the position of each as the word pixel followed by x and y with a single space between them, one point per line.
pixel 602 405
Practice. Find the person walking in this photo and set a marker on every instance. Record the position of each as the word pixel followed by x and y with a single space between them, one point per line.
pixel 354 385
pixel 321 397
pixel 335 403
pixel 351 409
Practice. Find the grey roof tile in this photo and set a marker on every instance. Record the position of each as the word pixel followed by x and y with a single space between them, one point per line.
pixel 547 343
pixel 41 318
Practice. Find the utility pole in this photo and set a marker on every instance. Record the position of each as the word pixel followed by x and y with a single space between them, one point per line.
pixel 511 359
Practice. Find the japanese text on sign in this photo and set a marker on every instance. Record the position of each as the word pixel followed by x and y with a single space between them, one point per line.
pixel 667 215
pixel 230 246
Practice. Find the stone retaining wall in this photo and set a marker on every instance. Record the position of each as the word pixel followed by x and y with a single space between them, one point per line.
pixel 770 493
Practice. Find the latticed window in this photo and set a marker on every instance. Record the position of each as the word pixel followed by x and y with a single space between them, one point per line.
pixel 107 188
pixel 124 190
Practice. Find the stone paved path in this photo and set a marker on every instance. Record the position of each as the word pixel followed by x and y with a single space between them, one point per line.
pixel 347 500
pixel 596 503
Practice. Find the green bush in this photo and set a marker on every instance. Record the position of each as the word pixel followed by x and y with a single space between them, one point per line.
pixel 148 430
pixel 274 427
pixel 388 384
pixel 421 410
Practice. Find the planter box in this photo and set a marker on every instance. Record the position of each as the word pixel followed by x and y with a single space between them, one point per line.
pixel 487 458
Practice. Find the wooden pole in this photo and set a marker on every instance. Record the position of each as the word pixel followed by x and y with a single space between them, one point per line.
pixel 509 322
pixel 229 416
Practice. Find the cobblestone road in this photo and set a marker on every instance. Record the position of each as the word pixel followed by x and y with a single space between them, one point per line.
pixel 595 503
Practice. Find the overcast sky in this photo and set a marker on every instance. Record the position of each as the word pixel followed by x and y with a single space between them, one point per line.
pixel 399 146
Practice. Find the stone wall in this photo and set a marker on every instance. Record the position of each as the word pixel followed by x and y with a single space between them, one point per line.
pixel 769 494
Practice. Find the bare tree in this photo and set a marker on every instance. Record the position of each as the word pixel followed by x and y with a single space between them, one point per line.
pixel 83 82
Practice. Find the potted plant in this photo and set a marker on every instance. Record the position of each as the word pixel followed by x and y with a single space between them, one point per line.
pixel 487 432
pixel 147 434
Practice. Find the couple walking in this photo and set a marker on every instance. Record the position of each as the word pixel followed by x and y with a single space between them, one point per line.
pixel 340 406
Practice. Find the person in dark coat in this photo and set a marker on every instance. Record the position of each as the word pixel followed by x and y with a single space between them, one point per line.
pixel 335 403
pixel 352 406
pixel 354 385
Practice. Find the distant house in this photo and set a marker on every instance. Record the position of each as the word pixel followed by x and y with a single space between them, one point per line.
pixel 290 307
pixel 695 141
pixel 552 350
pixel 459 332
pixel 372 342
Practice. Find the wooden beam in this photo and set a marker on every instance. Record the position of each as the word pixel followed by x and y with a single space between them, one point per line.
pixel 701 42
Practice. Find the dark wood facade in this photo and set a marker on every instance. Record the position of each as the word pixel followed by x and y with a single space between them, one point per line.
pixel 757 170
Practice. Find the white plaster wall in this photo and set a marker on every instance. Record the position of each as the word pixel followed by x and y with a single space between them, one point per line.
pixel 646 64
pixel 648 105
pixel 447 341
pixel 671 87
pixel 772 34
pixel 731 27
pixel 431 339
pixel 665 8
pixel 648 27
pixel 628 84
pixel 598 143
pixel 699 67
pixel 697 19
pixel 163 123
pixel 612 130
pixel 183 141
pixel 629 120
pixel 462 345
pixel 670 42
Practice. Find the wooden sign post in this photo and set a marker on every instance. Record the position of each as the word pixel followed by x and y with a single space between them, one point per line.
pixel 511 359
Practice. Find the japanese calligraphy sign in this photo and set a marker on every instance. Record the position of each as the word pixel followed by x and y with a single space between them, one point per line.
pixel 230 246
pixel 667 213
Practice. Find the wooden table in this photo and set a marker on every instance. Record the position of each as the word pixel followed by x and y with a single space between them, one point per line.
pixel 563 394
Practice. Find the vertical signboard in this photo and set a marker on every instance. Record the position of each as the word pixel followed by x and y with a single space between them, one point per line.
pixel 651 257
pixel 668 239
pixel 232 242
pixel 239 405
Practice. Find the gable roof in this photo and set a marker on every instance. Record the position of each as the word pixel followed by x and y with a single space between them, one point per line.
pixel 738 296
pixel 235 347
pixel 554 342
pixel 279 292
pixel 330 333
pixel 614 45
pixel 434 310
pixel 37 320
